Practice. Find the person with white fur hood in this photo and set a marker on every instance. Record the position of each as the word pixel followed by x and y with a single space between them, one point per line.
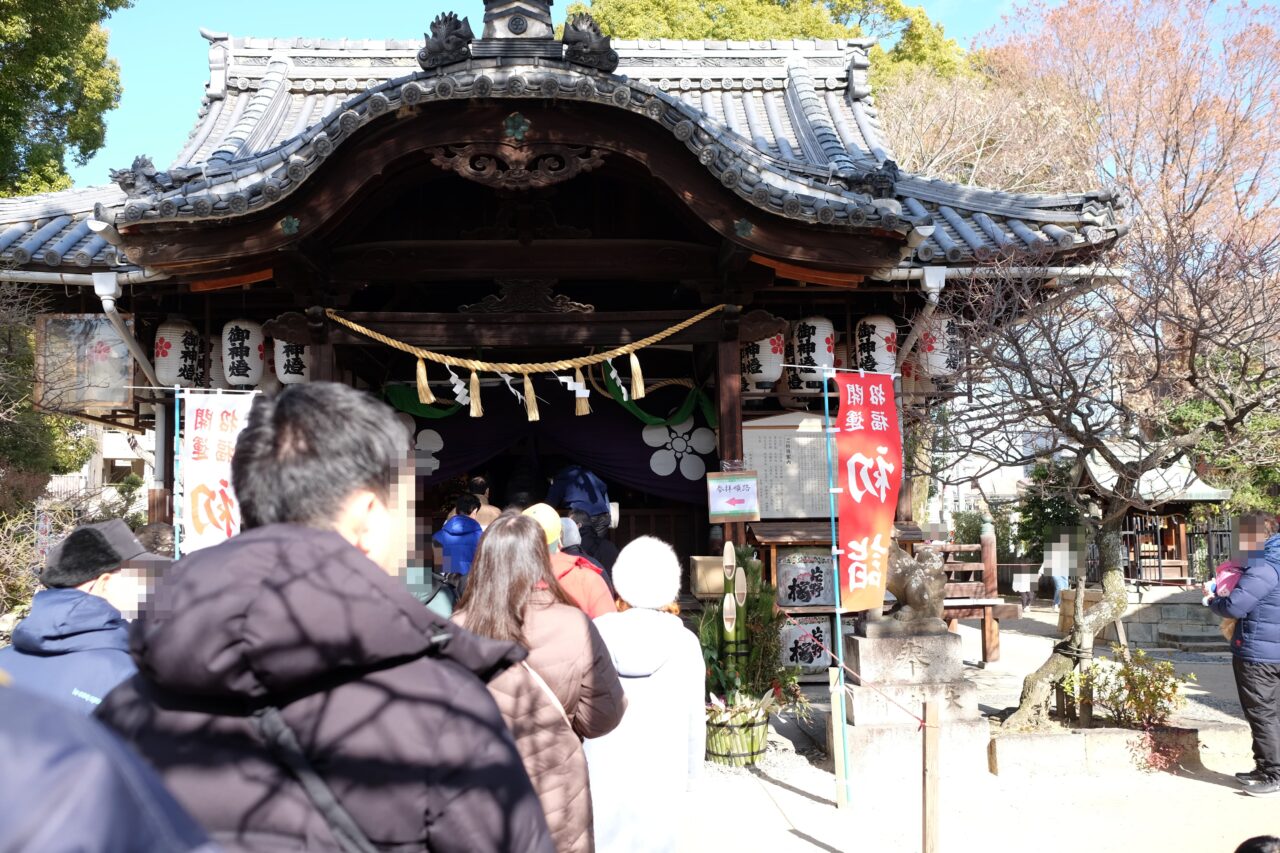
pixel 641 770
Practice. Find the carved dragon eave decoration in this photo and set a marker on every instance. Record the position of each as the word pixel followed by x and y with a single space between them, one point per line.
pixel 524 166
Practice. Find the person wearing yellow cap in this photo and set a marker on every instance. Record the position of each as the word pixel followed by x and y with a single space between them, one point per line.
pixel 580 577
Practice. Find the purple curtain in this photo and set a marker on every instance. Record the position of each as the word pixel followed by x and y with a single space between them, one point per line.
pixel 668 462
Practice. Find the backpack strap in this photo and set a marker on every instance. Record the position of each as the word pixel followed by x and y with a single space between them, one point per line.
pixel 283 743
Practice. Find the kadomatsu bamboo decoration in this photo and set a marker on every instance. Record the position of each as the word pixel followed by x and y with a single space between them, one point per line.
pixel 746 680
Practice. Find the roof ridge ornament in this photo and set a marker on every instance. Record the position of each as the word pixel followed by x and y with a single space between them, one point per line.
pixel 449 41
pixel 585 44
pixel 518 19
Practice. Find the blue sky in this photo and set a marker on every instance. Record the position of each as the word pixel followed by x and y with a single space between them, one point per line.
pixel 164 61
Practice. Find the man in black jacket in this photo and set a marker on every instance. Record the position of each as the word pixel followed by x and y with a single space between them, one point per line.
pixel 291 654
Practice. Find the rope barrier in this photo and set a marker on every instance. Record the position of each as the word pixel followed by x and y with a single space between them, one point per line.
pixel 426 397
pixel 862 681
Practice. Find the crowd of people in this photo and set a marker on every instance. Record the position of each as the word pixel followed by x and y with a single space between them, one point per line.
pixel 284 690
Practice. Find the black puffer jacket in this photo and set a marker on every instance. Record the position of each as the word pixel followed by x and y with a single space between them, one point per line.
pixel 388 702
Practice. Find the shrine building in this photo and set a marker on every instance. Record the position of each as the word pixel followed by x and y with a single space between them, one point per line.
pixel 524 205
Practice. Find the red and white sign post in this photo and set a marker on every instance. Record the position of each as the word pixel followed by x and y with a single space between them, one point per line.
pixel 868 475
pixel 208 512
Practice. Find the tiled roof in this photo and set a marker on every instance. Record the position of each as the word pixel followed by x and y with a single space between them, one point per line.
pixel 789 125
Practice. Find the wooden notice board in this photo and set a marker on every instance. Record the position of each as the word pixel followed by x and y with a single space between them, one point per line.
pixel 789 455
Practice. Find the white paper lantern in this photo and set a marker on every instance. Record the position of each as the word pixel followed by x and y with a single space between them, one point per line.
pixel 762 363
pixel 939 346
pixel 293 361
pixel 177 353
pixel 876 343
pixel 217 378
pixel 812 344
pixel 243 352
pixel 269 383
pixel 842 353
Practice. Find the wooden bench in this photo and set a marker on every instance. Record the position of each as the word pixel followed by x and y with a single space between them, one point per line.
pixel 990 611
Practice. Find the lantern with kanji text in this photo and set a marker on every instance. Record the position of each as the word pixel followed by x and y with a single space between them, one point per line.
pixel 293 362
pixel 762 363
pixel 875 344
pixel 177 353
pixel 243 352
pixel 812 346
pixel 939 346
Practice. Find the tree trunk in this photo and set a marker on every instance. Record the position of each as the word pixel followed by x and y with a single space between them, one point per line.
pixel 1037 688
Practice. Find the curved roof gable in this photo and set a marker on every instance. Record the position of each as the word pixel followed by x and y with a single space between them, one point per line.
pixel 789 125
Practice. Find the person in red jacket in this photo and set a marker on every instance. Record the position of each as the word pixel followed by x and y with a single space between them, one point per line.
pixel 580 577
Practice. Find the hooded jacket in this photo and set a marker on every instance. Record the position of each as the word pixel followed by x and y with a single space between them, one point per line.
pixel 1255 602
pixel 641 770
pixel 387 700
pixel 568 655
pixel 583 580
pixel 73 647
pixel 458 539
pixel 69 784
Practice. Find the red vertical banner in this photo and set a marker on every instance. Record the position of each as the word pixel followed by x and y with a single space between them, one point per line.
pixel 868 474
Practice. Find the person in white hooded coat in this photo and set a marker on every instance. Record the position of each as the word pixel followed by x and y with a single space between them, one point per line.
pixel 641 771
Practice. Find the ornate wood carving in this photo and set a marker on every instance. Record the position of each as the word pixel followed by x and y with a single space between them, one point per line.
pixel 758 324
pixel 526 296
pixel 517 166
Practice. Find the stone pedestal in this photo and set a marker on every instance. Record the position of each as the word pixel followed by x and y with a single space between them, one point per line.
pixel 884 739
pixel 907 670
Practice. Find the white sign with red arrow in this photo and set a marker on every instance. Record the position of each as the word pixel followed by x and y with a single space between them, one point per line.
pixel 733 496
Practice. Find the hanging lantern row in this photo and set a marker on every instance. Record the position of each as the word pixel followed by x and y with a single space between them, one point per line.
pixel 242 358
pixel 813 344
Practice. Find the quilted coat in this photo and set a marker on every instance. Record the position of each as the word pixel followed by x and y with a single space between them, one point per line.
pixel 387 700
pixel 567 652
pixel 1255 602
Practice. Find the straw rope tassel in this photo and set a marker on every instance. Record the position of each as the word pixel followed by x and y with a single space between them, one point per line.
pixel 425 397
pixel 582 405
pixel 637 378
pixel 530 399
pixel 477 409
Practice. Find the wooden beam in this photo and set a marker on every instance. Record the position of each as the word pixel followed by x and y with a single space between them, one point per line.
pixel 228 282
pixel 729 396
pixel 435 260
pixel 813 276
pixel 527 330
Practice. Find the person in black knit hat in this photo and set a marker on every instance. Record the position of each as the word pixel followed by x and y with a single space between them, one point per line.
pixel 73 647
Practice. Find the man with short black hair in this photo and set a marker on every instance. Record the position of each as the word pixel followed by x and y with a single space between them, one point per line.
pixel 74 646
pixel 479 486
pixel 295 693
pixel 457 542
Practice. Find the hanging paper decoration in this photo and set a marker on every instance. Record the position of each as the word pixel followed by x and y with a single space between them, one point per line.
pixel 939 346
pixel 813 345
pixel 293 362
pixel 876 340
pixel 243 352
pixel 177 353
pixel 475 366
pixel 762 363
pixel 217 378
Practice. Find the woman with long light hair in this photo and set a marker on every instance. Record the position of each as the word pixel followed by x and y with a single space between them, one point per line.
pixel 566 690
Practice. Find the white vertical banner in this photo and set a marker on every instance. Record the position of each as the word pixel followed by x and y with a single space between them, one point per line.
pixel 211 421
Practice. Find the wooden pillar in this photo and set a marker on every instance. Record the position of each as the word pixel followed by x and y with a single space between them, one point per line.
pixel 729 391
pixel 990 569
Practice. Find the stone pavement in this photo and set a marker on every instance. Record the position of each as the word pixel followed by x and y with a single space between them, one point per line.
pixel 788 803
